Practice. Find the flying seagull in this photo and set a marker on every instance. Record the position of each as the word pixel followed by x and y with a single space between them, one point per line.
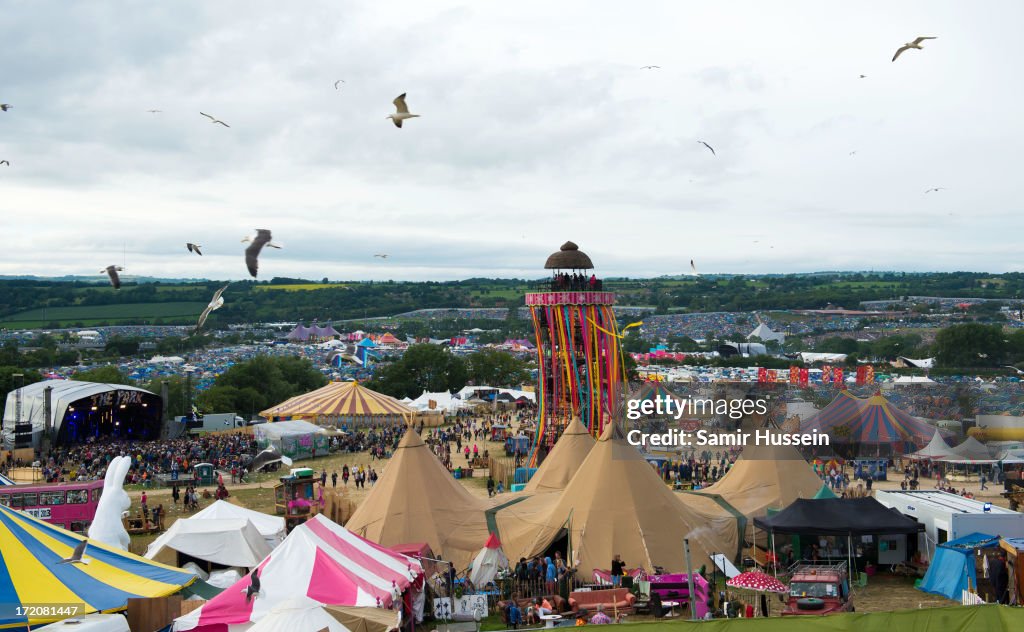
pixel 382 256
pixel 403 111
pixel 693 268
pixel 111 271
pixel 709 147
pixel 194 248
pixel 934 189
pixel 649 67
pixel 337 82
pixel 252 253
pixel 253 588
pixel 915 44
pixel 863 76
pixel 1019 372
pixel 214 120
pixel 5 162
pixel 154 111
pixel 264 458
pixel 5 106
pixel 76 555
pixel 216 303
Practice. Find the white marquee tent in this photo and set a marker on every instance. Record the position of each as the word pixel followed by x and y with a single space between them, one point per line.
pixel 230 542
pixel 272 528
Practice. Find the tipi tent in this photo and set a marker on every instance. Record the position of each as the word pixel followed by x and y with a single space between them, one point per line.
pixel 488 562
pixel 272 528
pixel 417 500
pixel 616 504
pixel 227 541
pixel 30 572
pixel 937 448
pixel 765 477
pixel 319 560
pixel 563 461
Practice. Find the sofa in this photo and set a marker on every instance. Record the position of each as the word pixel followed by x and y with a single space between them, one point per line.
pixel 613 599
pixel 558 604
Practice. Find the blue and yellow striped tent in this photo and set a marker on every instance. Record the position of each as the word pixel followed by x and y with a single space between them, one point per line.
pixel 30 550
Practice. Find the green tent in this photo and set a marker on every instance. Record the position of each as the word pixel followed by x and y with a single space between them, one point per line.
pixel 824 492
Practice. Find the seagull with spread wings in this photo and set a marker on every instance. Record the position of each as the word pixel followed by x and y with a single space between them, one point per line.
pixel 194 248
pixel 216 303
pixel 5 162
pixel 915 44
pixel 154 111
pixel 253 589
pixel 76 555
pixel 252 253
pixel 337 82
pixel 402 111
pixel 5 106
pixel 382 256
pixel 934 189
pixel 649 67
pixel 115 279
pixel 214 120
pixel 709 147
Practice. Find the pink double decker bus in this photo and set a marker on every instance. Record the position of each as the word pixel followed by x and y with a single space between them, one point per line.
pixel 71 506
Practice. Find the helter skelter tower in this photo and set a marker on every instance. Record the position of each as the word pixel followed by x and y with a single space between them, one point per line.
pixel 580 371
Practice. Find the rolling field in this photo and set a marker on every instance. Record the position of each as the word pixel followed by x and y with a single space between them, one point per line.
pixel 94 314
pixel 300 287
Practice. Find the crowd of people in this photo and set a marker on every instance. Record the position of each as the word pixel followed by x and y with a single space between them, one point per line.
pixel 575 282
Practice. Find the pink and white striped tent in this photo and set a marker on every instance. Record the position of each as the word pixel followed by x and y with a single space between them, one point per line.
pixel 320 560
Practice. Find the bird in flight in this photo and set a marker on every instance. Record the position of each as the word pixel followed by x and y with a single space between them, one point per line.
pixel 649 67
pixel 934 189
pixel 693 268
pixel 863 76
pixel 337 82
pixel 76 555
pixel 1019 372
pixel 853 153
pixel 382 256
pixel 5 106
pixel 253 588
pixel 154 111
pixel 252 253
pixel 709 147
pixel 111 271
pixel 214 120
pixel 5 162
pixel 194 248
pixel 403 111
pixel 216 303
pixel 915 44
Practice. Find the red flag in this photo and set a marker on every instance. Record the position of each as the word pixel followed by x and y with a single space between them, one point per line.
pixel 805 377
pixel 762 374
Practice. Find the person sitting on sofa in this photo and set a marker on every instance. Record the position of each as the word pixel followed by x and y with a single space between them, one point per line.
pixel 600 618
pixel 542 607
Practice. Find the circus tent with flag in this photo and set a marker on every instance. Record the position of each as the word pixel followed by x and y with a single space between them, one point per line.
pixel 342 403
pixel 321 561
pixel 873 421
pixel 30 571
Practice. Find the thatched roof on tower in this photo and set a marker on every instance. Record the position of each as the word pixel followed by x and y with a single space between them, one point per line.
pixel 569 257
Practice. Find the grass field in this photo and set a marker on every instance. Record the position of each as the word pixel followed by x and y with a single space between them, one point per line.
pixel 93 314
pixel 300 287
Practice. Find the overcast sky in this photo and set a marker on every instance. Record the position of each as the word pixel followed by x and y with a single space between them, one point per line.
pixel 538 125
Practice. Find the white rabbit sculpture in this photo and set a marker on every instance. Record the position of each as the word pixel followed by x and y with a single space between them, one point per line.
pixel 107 527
